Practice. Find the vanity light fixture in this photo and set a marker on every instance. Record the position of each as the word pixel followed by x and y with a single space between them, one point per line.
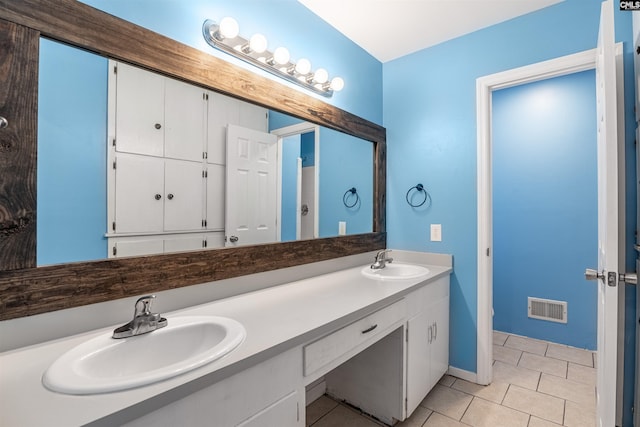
pixel 225 37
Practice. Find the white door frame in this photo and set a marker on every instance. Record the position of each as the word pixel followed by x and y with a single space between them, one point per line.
pixel 298 129
pixel 484 87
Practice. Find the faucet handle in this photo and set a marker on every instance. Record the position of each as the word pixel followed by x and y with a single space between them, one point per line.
pixel 143 305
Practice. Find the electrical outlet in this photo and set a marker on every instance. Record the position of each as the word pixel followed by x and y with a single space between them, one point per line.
pixel 436 232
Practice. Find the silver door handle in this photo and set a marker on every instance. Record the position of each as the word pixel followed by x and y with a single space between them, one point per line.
pixel 591 274
pixel 629 278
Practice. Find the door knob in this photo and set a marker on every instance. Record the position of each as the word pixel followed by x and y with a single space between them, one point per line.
pixel 3 123
pixel 233 239
pixel 591 274
pixel 629 278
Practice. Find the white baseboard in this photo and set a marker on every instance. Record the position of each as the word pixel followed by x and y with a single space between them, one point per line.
pixel 462 374
pixel 315 391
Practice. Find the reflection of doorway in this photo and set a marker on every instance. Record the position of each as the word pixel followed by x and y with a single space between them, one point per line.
pixel 298 148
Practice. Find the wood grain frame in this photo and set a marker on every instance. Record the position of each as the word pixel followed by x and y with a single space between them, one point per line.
pixel 26 290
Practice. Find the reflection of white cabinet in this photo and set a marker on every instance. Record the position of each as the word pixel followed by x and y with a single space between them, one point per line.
pixel 156 195
pixel 167 157
pixel 158 116
pixel 427 340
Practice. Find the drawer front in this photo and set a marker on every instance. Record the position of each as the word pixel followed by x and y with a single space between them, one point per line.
pixel 321 352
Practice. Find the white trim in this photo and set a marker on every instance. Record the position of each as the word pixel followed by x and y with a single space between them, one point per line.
pixel 462 374
pixel 484 86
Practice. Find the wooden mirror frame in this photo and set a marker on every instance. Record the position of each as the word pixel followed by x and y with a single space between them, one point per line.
pixel 26 290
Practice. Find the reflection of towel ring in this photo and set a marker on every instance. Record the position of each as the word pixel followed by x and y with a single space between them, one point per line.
pixel 353 191
pixel 419 188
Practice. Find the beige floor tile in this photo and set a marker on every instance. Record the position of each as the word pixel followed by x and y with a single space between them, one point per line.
pixel 318 408
pixel 447 401
pixel 499 338
pixel 505 373
pixel 538 422
pixel 447 380
pixel 439 420
pixel 571 354
pixel 582 374
pixel 577 415
pixel 342 416
pixel 541 405
pixel 529 345
pixel 567 389
pixel 493 392
pixel 417 419
pixel 482 413
pixel 506 354
pixel 544 364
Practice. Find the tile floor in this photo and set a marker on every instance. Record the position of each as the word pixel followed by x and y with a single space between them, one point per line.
pixel 536 384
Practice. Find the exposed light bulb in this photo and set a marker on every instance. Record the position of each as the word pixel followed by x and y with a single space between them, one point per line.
pixel 321 76
pixel 281 56
pixel 303 66
pixel 258 43
pixel 229 28
pixel 337 84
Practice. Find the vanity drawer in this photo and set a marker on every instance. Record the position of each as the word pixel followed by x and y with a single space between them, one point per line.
pixel 323 351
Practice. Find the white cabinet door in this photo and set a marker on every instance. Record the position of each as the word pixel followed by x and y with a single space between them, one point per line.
pixel 215 196
pixel 253 117
pixel 250 215
pixel 136 247
pixel 185 121
pixel 222 110
pixel 191 242
pixel 418 360
pixel 139 111
pixel 139 194
pixel 283 413
pixel 439 353
pixel 184 186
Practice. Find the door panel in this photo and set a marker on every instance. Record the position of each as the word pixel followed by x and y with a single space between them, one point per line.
pixel 215 196
pixel 221 111
pixel 251 178
pixel 139 111
pixel 608 229
pixel 139 194
pixel 185 121
pixel 184 186
pixel 418 360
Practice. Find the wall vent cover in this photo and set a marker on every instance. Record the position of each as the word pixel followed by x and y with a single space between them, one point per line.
pixel 546 309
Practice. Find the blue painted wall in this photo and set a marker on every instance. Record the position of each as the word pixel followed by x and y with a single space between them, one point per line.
pixel 544 213
pixel 72 155
pixel 291 148
pixel 429 109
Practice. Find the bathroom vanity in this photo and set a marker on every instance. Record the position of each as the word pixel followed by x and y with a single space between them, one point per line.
pixel 379 344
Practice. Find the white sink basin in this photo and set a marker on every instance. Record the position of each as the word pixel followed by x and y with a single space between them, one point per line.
pixel 104 364
pixel 396 271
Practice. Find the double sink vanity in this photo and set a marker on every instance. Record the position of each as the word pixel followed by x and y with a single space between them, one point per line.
pixel 376 338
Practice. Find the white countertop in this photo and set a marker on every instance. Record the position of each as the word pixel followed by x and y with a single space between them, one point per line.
pixel 276 319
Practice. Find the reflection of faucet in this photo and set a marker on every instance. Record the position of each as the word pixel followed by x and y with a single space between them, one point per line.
pixel 381 259
pixel 143 320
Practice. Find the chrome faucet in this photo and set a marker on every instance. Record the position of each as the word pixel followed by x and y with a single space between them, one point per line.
pixel 143 320
pixel 381 259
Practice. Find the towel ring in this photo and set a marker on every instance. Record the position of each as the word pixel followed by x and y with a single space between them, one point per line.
pixel 419 188
pixel 346 196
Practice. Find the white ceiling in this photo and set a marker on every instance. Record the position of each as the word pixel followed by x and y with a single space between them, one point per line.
pixel 389 29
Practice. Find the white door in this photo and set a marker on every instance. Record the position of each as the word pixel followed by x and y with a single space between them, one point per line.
pixel 139 111
pixel 184 187
pixel 250 215
pixel 418 360
pixel 607 219
pixel 139 194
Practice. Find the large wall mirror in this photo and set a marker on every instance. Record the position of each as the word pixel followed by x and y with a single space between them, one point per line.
pixel 57 156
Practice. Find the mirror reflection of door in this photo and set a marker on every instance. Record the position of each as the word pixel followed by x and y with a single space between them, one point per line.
pixel 251 187
pixel 298 172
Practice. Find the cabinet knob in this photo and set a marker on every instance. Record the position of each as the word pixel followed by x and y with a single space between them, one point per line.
pixel 233 239
pixel 3 122
pixel 170 196
pixel 158 197
pixel 158 125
